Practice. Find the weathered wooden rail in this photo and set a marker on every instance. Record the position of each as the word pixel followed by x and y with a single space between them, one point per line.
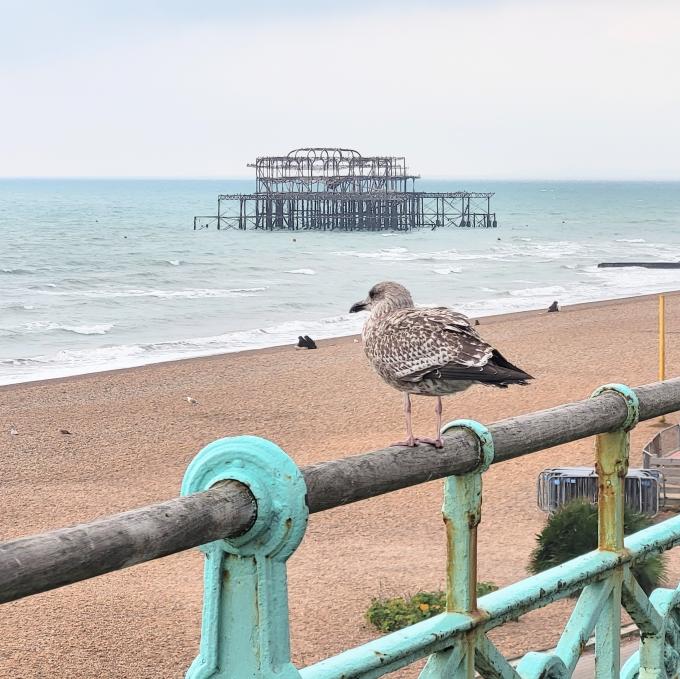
pixel 246 504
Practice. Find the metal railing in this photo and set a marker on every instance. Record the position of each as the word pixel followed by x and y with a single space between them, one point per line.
pixel 247 504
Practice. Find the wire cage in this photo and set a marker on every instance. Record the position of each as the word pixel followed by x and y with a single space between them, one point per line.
pixel 643 492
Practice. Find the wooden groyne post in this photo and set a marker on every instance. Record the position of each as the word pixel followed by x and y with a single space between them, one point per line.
pixel 662 344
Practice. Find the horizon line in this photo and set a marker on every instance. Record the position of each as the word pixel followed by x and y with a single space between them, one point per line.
pixel 252 179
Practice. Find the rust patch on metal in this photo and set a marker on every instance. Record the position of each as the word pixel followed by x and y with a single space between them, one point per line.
pixel 449 561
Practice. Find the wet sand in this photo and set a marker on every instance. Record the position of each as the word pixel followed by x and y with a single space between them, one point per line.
pixel 133 433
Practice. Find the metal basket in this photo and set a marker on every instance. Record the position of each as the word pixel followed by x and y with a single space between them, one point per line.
pixel 661 455
pixel 644 488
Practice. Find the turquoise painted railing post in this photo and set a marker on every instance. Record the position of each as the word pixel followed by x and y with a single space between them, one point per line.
pixel 462 513
pixel 612 451
pixel 245 628
pixel 245 632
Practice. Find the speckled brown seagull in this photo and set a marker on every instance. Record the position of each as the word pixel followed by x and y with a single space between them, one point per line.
pixel 429 351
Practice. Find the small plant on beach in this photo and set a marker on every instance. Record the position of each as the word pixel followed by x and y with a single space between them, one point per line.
pixel 572 531
pixel 388 615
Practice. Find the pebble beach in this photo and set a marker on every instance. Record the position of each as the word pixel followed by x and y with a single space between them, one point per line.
pixel 133 431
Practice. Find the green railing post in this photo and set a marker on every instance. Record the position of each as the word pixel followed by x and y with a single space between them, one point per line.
pixel 462 512
pixel 612 451
pixel 244 631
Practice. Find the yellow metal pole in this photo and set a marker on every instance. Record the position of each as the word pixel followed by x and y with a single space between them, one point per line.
pixel 662 344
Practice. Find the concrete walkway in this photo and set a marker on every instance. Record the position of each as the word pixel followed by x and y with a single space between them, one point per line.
pixel 585 669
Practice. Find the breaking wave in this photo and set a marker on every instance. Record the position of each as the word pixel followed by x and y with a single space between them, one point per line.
pixel 196 293
pixel 80 361
pixel 16 306
pixel 14 271
pixel 49 326
pixel 448 270
pixel 538 292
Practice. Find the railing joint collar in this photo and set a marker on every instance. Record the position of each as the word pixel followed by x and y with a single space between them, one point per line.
pixel 484 438
pixel 630 398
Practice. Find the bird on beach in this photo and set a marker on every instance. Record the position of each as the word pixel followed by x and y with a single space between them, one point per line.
pixel 428 351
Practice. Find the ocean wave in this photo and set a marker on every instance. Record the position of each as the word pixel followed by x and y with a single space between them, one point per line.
pixel 506 252
pixel 538 292
pixel 16 306
pixel 631 240
pixel 82 361
pixel 194 293
pixel 304 272
pixel 404 255
pixel 97 329
pixel 448 270
pixel 15 271
pixel 592 284
pixel 49 326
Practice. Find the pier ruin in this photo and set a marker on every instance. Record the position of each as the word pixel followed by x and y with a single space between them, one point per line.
pixel 334 189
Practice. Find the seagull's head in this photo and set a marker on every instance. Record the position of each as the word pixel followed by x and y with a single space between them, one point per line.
pixel 384 297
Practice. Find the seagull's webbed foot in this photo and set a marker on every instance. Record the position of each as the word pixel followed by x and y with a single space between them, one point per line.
pixel 437 443
pixel 410 442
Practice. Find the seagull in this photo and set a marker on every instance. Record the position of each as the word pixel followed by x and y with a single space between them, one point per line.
pixel 428 351
pixel 190 399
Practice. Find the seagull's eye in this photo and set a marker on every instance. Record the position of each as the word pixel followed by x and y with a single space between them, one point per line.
pixel 371 294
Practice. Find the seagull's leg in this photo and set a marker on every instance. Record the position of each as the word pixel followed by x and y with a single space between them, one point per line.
pixel 410 441
pixel 439 441
pixel 439 410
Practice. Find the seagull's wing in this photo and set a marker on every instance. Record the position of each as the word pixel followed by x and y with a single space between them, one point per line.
pixel 442 344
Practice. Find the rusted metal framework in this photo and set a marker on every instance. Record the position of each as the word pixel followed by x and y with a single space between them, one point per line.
pixel 332 189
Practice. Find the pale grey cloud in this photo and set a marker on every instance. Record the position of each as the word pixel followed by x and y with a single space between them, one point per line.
pixel 504 89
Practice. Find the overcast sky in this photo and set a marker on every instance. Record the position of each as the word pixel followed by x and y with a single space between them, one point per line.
pixel 198 88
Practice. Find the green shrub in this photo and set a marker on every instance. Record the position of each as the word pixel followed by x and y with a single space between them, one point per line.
pixel 388 615
pixel 572 531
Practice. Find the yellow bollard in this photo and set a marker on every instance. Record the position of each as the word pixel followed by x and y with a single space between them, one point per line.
pixel 662 344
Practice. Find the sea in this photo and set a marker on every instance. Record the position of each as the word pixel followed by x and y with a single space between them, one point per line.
pixel 102 274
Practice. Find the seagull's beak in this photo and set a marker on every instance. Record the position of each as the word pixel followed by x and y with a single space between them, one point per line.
pixel 359 306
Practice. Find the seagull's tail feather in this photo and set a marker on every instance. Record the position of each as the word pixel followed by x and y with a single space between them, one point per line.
pixel 496 372
pixel 498 359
